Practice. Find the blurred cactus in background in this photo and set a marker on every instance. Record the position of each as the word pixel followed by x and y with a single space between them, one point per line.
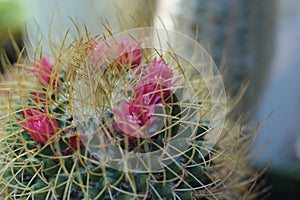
pixel 87 121
pixel 240 35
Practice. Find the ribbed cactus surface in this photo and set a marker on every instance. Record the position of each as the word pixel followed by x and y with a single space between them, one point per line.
pixel 101 120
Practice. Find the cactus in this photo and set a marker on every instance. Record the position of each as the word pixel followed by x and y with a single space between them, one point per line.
pixel 240 35
pixel 87 122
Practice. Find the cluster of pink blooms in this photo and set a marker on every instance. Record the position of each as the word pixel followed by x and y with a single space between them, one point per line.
pixel 40 125
pixel 155 85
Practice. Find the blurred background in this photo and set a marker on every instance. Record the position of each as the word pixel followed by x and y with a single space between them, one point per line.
pixel 255 42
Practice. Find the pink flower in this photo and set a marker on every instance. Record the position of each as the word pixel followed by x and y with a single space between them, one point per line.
pixel 156 83
pixel 157 72
pixel 126 52
pixel 133 118
pixel 43 71
pixel 39 125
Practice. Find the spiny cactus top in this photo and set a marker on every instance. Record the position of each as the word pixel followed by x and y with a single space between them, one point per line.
pixel 112 119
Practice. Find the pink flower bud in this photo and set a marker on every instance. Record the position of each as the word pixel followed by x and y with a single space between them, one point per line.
pixel 75 141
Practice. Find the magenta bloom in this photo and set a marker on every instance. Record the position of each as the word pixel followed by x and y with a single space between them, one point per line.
pixel 157 72
pixel 126 52
pixel 133 118
pixel 43 71
pixel 156 82
pixel 39 125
